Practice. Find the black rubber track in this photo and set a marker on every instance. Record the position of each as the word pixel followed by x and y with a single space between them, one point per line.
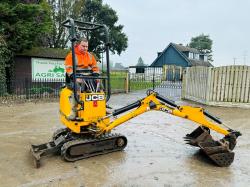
pixel 84 148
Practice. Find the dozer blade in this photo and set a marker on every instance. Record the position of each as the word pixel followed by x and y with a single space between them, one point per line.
pixel 42 150
pixel 217 151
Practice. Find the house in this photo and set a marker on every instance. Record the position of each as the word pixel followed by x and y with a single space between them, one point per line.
pixel 137 69
pixel 179 55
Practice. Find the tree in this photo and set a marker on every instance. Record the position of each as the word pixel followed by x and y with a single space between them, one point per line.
pixel 4 58
pixel 140 62
pixel 96 11
pixel 23 23
pixel 118 66
pixel 204 44
pixel 89 11
pixel 60 11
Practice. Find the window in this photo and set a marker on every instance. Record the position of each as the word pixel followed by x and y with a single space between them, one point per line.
pixel 191 55
pixel 196 56
pixel 205 58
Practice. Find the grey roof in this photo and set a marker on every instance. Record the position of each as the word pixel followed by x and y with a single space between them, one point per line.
pixel 45 52
pixel 199 63
pixel 185 48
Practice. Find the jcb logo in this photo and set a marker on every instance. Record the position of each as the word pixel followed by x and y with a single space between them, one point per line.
pixel 95 97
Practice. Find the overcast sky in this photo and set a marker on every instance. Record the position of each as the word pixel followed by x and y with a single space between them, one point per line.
pixel 152 24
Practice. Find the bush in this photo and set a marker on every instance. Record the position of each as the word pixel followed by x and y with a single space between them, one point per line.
pixel 41 90
pixel 4 60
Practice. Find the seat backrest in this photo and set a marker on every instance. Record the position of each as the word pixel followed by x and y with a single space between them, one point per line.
pixel 67 78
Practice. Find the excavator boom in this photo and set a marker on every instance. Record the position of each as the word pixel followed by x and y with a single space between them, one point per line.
pixel 154 101
pixel 219 151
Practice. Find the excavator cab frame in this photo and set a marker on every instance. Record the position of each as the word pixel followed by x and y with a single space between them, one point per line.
pixel 74 25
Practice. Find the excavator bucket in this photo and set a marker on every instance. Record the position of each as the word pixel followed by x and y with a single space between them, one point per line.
pixel 217 151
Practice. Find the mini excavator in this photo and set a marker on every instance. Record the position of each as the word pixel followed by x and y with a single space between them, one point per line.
pixel 89 134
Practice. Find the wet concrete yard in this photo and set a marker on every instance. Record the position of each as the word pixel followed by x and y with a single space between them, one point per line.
pixel 156 154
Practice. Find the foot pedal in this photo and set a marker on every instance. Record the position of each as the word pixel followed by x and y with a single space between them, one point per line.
pixel 78 119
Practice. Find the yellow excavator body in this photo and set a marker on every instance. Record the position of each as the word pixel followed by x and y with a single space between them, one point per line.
pixel 92 109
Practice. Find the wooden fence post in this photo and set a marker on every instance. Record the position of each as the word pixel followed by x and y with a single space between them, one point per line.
pixel 164 73
pixel 181 73
pixel 247 93
pixel 127 83
pixel 208 91
pixel 184 83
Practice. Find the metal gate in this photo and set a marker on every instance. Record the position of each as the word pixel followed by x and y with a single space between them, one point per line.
pixel 165 80
pixel 170 89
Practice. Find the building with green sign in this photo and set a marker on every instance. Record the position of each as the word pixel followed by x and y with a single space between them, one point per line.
pixel 40 64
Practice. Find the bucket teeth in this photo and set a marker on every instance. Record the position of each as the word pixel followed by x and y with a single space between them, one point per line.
pixel 218 151
pixel 200 134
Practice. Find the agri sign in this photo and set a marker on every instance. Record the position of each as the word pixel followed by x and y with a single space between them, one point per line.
pixel 48 69
pixel 49 75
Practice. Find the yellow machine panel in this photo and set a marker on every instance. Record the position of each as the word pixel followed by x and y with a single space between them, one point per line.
pixel 65 96
pixel 94 106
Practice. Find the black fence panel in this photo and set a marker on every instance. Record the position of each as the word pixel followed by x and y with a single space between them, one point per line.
pixel 28 89
pixel 149 77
